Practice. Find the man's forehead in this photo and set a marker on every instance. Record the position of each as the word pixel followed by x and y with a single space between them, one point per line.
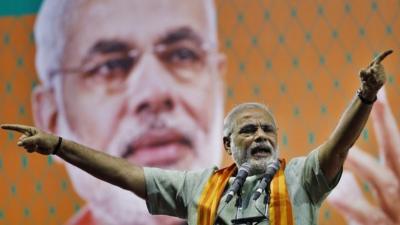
pixel 142 15
pixel 137 22
pixel 255 115
pixel 139 5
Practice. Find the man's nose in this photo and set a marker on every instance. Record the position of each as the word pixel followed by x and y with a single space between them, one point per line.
pixel 151 88
pixel 155 104
pixel 261 136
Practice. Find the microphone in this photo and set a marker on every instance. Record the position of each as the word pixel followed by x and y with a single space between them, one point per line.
pixel 242 173
pixel 272 168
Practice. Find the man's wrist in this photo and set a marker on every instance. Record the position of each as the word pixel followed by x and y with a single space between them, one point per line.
pixel 365 97
pixel 57 147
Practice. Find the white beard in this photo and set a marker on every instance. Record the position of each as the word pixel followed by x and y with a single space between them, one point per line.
pixel 258 166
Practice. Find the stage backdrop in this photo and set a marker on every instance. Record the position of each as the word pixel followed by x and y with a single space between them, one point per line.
pixel 301 58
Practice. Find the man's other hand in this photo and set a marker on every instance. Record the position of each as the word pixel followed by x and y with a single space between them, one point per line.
pixel 33 139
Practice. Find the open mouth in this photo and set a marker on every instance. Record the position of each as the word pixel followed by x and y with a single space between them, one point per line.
pixel 261 151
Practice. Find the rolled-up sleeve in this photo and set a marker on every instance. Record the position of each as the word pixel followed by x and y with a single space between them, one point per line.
pixel 314 180
pixel 170 192
pixel 165 192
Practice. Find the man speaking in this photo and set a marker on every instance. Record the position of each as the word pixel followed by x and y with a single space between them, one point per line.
pixel 250 137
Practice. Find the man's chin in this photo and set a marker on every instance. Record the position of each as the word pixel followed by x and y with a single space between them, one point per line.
pixel 259 164
pixel 261 159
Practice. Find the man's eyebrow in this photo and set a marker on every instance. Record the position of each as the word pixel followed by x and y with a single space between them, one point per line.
pixel 269 126
pixel 182 33
pixel 247 126
pixel 264 126
pixel 109 46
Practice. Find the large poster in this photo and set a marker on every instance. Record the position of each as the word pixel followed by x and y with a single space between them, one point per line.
pixel 150 81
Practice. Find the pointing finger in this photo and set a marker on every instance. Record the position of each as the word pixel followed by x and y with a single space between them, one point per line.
pixel 27 130
pixel 381 57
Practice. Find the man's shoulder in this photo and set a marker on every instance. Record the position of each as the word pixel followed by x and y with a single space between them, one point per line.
pixel 299 161
pixel 295 163
pixel 297 166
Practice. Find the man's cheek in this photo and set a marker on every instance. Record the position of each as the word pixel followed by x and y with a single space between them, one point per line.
pixel 94 119
pixel 110 114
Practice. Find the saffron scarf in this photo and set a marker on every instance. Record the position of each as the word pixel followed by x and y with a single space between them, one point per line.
pixel 280 208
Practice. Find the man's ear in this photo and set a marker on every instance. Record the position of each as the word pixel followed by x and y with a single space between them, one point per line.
pixel 44 108
pixel 227 145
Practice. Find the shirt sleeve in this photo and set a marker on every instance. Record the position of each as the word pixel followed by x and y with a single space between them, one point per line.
pixel 313 179
pixel 170 192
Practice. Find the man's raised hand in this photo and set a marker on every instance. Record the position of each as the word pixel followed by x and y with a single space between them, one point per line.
pixel 33 139
pixel 373 77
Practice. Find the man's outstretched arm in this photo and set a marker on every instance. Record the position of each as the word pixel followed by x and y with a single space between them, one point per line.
pixel 111 169
pixel 333 152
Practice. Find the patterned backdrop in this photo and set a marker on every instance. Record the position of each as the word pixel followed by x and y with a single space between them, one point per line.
pixel 301 58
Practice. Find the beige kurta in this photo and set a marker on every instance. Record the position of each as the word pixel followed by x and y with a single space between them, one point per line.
pixel 177 193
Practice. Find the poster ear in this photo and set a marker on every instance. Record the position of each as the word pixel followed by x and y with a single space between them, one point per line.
pixel 45 111
pixel 44 108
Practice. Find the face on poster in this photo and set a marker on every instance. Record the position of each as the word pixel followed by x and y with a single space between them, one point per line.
pixel 141 80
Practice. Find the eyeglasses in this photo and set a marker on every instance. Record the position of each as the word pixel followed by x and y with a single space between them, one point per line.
pixel 184 60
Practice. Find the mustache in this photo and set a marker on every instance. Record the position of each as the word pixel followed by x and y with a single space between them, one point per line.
pixel 155 134
pixel 264 147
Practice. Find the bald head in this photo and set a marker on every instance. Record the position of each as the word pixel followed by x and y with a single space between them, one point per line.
pixel 66 28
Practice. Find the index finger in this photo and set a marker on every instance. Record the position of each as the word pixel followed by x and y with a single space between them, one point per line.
pixel 17 127
pixel 381 56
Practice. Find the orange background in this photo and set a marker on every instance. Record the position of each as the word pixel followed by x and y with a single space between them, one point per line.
pixel 301 58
